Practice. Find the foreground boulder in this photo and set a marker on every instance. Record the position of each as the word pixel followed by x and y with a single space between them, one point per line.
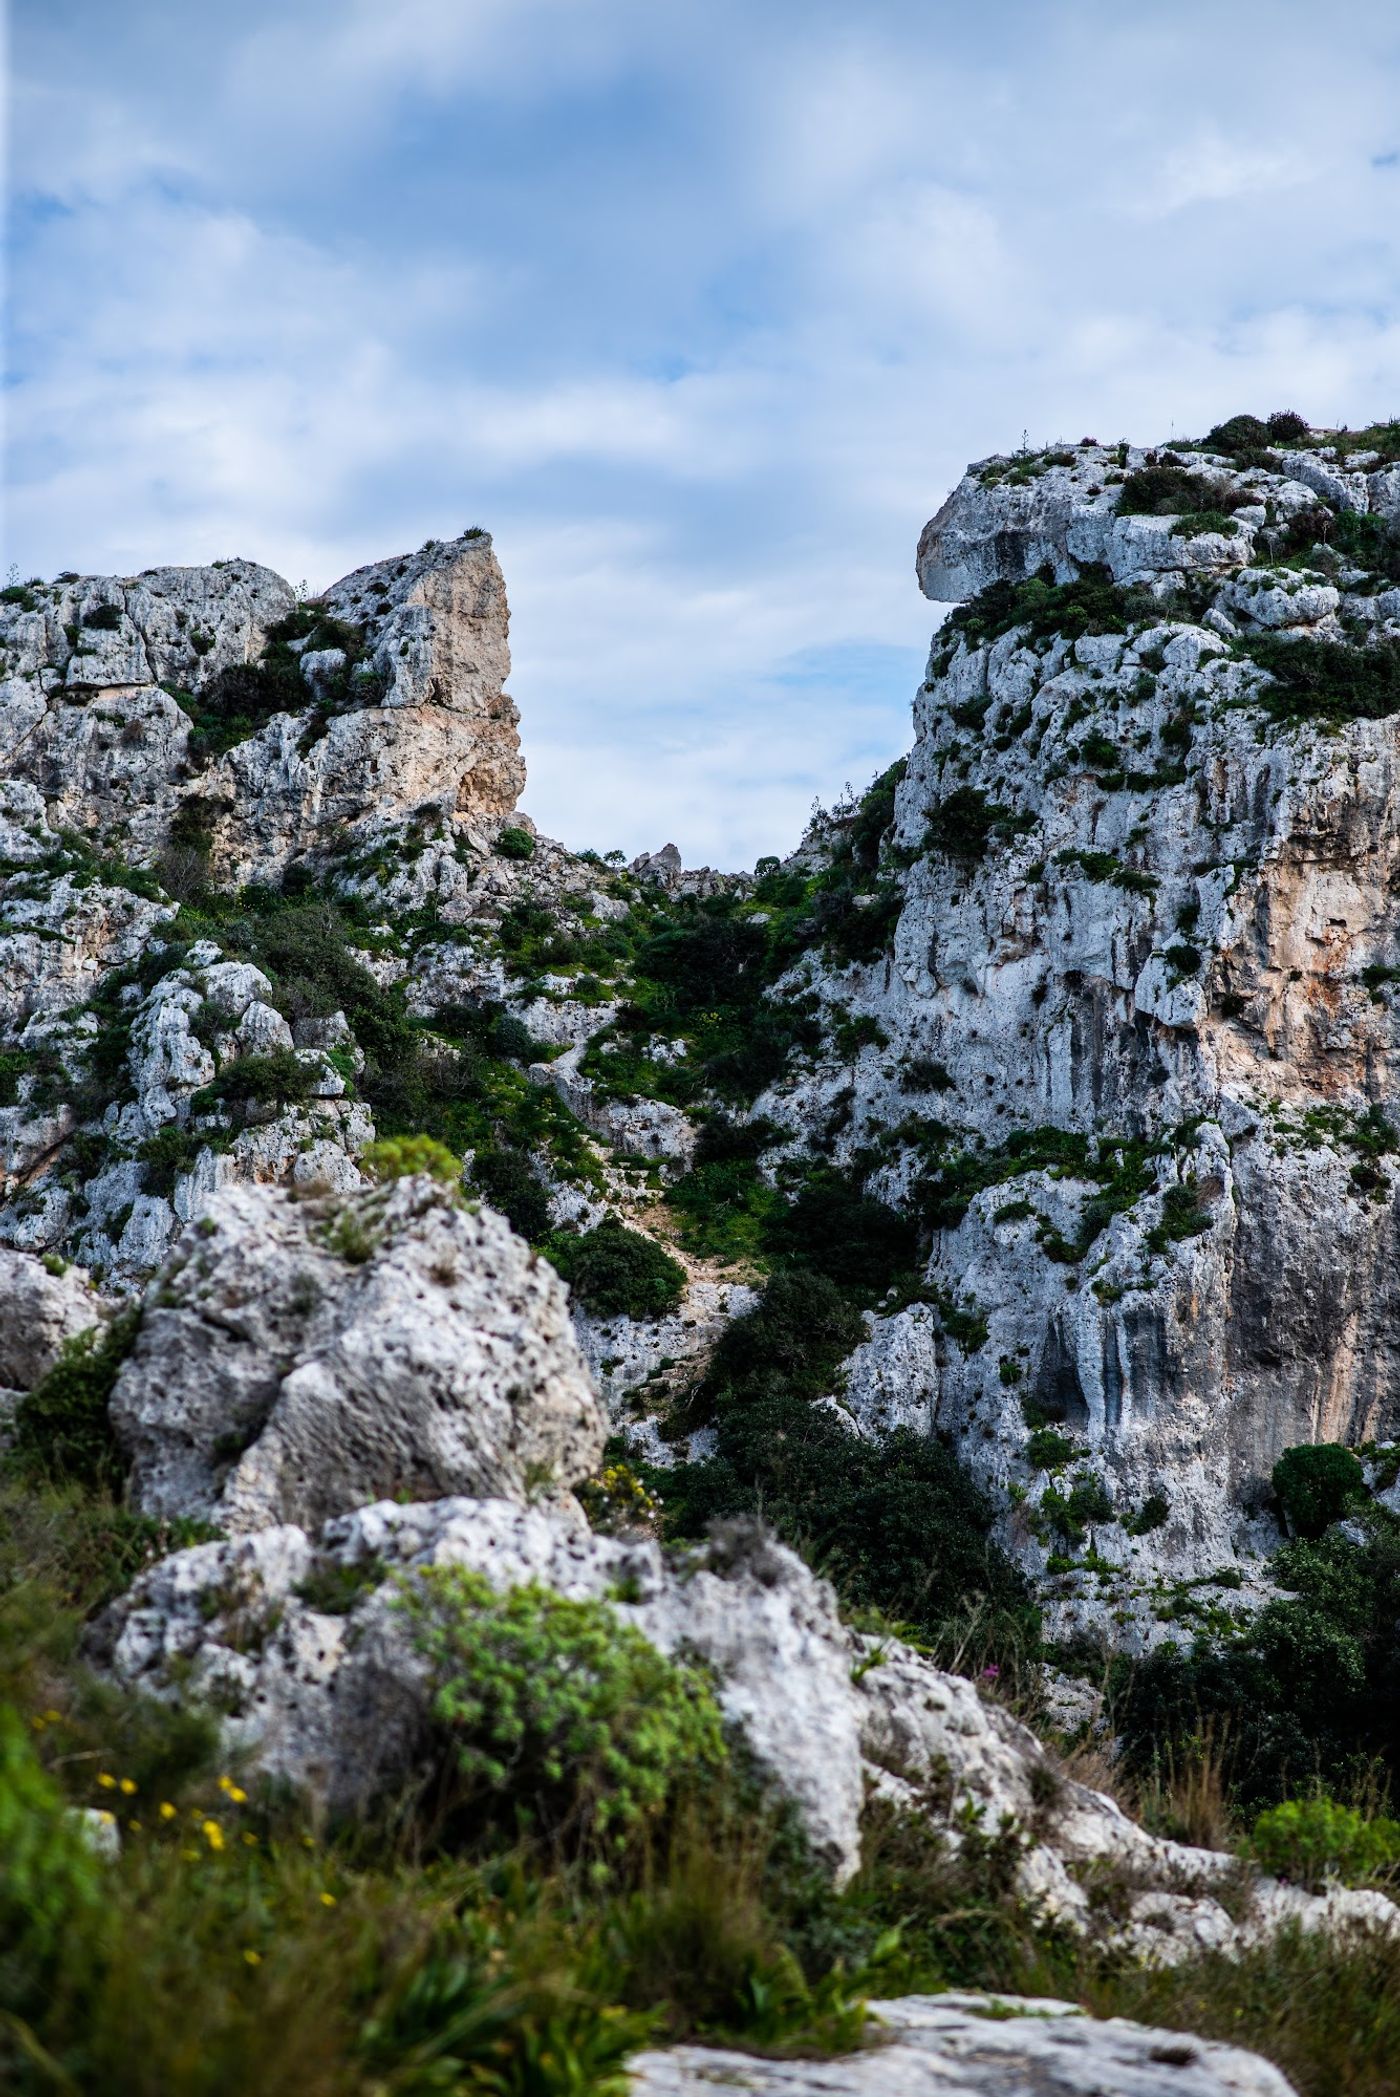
pixel 975 2046
pixel 302 1643
pixel 302 1354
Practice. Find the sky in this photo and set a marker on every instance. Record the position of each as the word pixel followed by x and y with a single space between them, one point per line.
pixel 700 306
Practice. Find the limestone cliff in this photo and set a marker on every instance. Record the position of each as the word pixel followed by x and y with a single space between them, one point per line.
pixel 1140 1070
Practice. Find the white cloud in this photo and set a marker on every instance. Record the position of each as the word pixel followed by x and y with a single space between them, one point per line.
pixel 700 308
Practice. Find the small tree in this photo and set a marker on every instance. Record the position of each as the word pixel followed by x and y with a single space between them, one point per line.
pixel 1316 1483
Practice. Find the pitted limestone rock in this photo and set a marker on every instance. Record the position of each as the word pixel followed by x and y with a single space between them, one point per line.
pixel 336 1705
pixel 977 2046
pixel 39 1310
pixel 299 1356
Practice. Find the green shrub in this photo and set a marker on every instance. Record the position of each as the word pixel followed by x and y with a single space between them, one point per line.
pixel 616 1272
pixel 561 1717
pixel 20 594
pixel 1182 1217
pixel 515 843
pixel 964 824
pixel 1092 603
pixel 280 1079
pixel 400 1157
pixel 1151 1515
pixel 1287 428
pixel 1316 1483
pixel 1047 1449
pixel 166 1156
pixel 104 618
pixel 1244 438
pixel 62 1427
pixel 1170 490
pixel 507 1180
pixel 847 1235
pixel 50 1879
pixel 1312 1841
pixel 1326 681
pixel 874 816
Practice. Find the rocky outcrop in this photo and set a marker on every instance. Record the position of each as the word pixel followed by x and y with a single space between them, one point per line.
pixel 88 665
pixel 300 1355
pixel 1143 956
pixel 300 1640
pixel 439 741
pixel 978 2046
pixel 41 1309
pixel 104 682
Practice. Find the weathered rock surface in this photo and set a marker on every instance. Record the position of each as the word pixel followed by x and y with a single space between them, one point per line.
pixel 946 2045
pixel 336 1704
pixel 88 667
pixel 301 1356
pixel 82 715
pixel 38 1312
pixel 1167 924
pixel 439 742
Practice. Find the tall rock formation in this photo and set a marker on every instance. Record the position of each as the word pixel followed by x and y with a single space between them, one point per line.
pixel 1141 1070
pixel 206 704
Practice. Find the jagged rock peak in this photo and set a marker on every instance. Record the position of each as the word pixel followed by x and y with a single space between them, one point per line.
pixel 208 702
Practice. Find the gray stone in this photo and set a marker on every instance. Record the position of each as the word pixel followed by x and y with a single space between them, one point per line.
pixel 300 1356
pixel 978 2046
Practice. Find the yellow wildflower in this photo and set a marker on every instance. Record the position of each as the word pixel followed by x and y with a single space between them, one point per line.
pixel 109 1820
pixel 254 1958
pixel 167 1811
pixel 107 1782
pixel 37 1723
pixel 237 1797
pixel 53 1718
pixel 127 1787
pixel 251 1840
pixel 212 1833
pixel 327 1900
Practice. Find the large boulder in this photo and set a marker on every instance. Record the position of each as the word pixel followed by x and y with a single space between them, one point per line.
pixel 302 1353
pixel 299 1641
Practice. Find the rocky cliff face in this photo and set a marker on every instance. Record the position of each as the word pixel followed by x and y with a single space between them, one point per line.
pixel 1137 1049
pixel 1118 1039
pixel 141 704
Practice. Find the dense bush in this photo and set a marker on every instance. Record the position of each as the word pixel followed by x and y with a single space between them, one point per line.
pixel 898 1524
pixel 835 1229
pixel 964 824
pixel 1327 681
pixel 1313 1841
pixel 166 1156
pixel 1171 490
pixel 515 843
pixel 1316 1483
pixel 62 1429
pixel 1092 603
pixel 561 1718
pixel 616 1272
pixel 1244 438
pixel 400 1157
pixel 508 1181
pixel 1305 1692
